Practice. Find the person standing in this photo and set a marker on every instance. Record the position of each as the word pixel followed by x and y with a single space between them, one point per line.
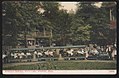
pixel 114 53
pixel 109 51
pixel 35 55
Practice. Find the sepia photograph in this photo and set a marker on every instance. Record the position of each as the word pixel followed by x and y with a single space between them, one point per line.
pixel 58 37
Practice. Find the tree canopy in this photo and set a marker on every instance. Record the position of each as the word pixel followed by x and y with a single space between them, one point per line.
pixel 89 24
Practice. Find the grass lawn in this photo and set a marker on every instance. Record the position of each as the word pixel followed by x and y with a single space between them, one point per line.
pixel 65 65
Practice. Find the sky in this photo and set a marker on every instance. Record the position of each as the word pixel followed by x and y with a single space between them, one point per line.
pixel 68 5
pixel 72 5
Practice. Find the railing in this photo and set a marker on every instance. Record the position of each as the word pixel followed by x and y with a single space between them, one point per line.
pixel 57 47
pixel 39 34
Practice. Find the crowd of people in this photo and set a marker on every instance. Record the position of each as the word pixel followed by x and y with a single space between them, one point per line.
pixel 31 54
pixel 87 51
pixel 95 51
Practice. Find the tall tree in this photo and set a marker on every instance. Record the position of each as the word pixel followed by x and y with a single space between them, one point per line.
pixel 63 26
pixel 96 18
pixel 50 15
pixel 109 11
pixel 9 31
pixel 21 16
pixel 27 17
pixel 80 23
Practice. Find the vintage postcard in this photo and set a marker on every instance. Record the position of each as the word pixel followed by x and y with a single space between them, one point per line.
pixel 51 37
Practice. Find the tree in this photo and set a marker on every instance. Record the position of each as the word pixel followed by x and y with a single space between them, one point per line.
pixel 20 17
pixel 80 24
pixel 95 18
pixel 50 14
pixel 80 31
pixel 63 26
pixel 109 10
pixel 27 17
pixel 9 31
pixel 90 23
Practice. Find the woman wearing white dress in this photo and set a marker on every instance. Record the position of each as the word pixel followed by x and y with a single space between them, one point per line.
pixel 114 53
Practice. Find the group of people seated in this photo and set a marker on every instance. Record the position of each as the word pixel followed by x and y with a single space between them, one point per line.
pixel 36 53
pixel 18 55
pixel 72 52
pixel 66 52
pixel 93 51
pixel 78 52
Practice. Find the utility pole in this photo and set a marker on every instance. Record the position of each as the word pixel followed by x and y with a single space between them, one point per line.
pixel 110 15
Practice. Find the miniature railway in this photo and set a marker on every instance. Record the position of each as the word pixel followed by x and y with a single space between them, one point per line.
pixel 54 54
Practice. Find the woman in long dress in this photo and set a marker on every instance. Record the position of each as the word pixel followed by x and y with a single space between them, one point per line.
pixel 114 53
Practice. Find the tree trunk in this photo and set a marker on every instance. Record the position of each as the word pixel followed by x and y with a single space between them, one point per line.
pixel 44 31
pixel 63 39
pixel 25 38
pixel 50 37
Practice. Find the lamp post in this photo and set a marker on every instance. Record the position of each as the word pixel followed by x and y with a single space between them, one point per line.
pixel 25 35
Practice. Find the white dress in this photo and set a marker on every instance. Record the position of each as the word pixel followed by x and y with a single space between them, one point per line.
pixel 114 52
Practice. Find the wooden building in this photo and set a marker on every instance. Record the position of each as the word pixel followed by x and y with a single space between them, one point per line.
pixel 38 38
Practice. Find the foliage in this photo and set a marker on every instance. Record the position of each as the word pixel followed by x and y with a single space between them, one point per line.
pixel 24 18
pixel 97 19
pixel 63 26
pixel 88 24
pixel 80 31
pixel 10 30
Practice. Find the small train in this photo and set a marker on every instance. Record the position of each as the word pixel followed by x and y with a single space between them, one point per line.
pixel 80 52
